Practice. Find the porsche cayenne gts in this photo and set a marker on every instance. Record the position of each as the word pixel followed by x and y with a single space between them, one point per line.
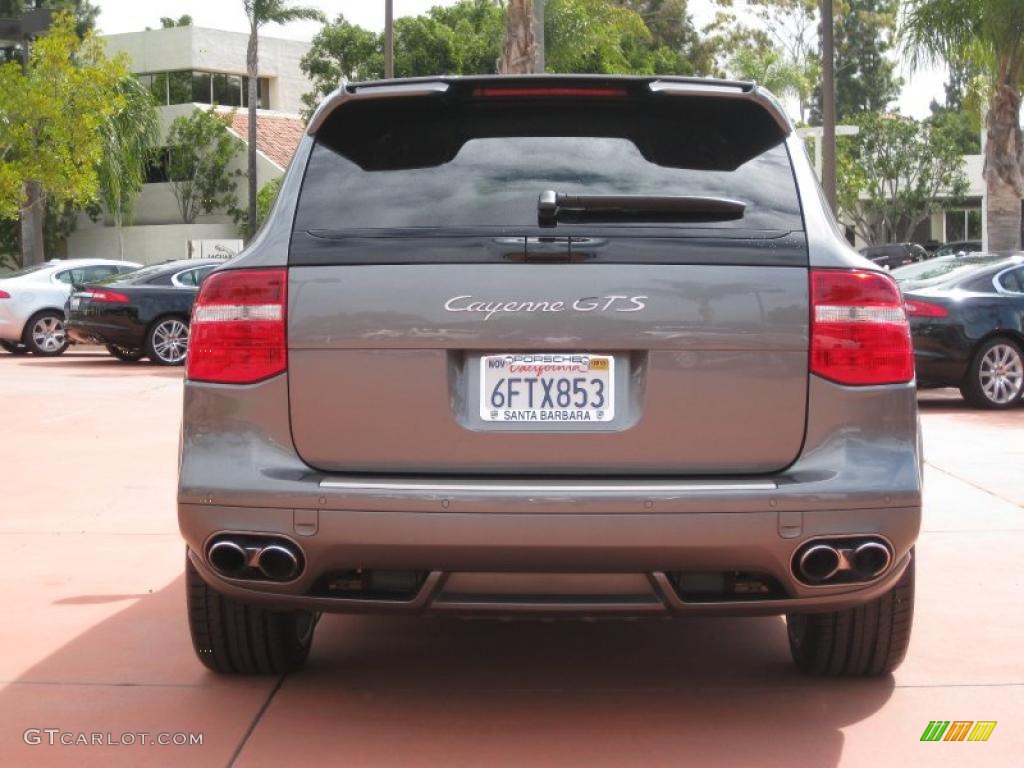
pixel 142 314
pixel 550 346
pixel 32 302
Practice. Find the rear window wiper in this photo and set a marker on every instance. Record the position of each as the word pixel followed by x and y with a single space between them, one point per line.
pixel 553 207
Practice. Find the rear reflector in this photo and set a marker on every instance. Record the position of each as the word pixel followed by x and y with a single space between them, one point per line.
pixel 925 309
pixel 237 335
pixel 513 93
pixel 859 330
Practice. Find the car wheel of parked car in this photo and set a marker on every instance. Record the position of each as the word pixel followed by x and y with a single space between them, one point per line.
pixel 230 636
pixel 995 378
pixel 14 348
pixel 125 354
pixel 45 335
pixel 866 641
pixel 167 341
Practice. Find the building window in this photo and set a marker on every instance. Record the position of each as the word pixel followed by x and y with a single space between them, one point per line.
pixel 187 87
pixel 158 171
pixel 201 87
pixel 963 225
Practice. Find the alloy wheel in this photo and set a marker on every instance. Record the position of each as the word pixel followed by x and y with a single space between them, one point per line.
pixel 170 341
pixel 48 334
pixel 1001 374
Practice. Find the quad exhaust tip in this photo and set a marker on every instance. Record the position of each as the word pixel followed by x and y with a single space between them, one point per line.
pixel 228 557
pixel 255 557
pixel 819 563
pixel 277 563
pixel 842 560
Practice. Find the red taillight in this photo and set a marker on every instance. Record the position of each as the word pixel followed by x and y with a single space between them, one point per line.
pixel 237 335
pixel 553 92
pixel 4 295
pixel 916 308
pixel 859 329
pixel 103 296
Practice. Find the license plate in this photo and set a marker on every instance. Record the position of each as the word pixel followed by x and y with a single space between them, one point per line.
pixel 547 388
pixel 75 302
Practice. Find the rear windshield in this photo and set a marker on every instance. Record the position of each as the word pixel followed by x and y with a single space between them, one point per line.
pixel 942 268
pixel 457 164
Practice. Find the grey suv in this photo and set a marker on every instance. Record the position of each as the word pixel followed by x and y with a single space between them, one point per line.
pixel 550 346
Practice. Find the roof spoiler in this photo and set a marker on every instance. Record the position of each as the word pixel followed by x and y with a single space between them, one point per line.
pixel 432 86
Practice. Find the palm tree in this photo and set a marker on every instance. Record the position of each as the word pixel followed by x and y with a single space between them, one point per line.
pixel 260 12
pixel 988 34
pixel 518 51
pixel 131 134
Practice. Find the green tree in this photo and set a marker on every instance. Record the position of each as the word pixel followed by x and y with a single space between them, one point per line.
pixel 52 119
pixel 260 13
pixel 130 135
pixel 466 38
pixel 264 203
pixel 987 35
pixel 768 66
pixel 677 46
pixel 596 36
pixel 166 22
pixel 201 150
pixel 774 42
pixel 893 173
pixel 865 70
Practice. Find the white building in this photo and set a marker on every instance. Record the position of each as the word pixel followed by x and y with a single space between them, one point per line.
pixel 190 68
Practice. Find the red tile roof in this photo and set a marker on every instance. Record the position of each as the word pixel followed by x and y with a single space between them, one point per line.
pixel 277 137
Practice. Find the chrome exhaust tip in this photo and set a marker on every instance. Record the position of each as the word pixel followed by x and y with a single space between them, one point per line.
pixel 819 563
pixel 871 559
pixel 227 557
pixel 277 563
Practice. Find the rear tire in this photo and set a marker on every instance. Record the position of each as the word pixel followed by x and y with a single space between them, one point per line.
pixel 124 354
pixel 14 347
pixel 45 334
pixel 167 341
pixel 866 641
pixel 232 637
pixel 995 377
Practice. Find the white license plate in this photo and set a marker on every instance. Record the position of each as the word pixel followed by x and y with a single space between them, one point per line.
pixel 75 302
pixel 550 388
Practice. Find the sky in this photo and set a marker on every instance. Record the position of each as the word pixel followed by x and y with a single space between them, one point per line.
pixel 131 16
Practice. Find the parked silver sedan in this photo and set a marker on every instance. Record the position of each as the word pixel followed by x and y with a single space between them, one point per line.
pixel 32 302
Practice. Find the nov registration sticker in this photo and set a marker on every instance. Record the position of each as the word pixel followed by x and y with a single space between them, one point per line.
pixel 547 388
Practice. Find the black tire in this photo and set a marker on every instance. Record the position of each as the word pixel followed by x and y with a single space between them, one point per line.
pixel 156 336
pixel 14 347
pixel 44 334
pixel 867 641
pixel 232 637
pixel 124 354
pixel 974 388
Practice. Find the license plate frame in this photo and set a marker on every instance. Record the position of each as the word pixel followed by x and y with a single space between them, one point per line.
pixel 590 377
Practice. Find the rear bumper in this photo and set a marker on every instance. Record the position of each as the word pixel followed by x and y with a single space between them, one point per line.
pixel 466 554
pixel 859 474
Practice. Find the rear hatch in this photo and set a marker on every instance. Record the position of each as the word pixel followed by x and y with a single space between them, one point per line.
pixel 549 277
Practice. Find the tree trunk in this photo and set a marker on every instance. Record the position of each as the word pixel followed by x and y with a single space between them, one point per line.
pixel 1004 154
pixel 519 51
pixel 32 249
pixel 252 60
pixel 1002 214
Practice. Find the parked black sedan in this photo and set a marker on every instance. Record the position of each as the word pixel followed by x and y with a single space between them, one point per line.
pixel 142 314
pixel 969 333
